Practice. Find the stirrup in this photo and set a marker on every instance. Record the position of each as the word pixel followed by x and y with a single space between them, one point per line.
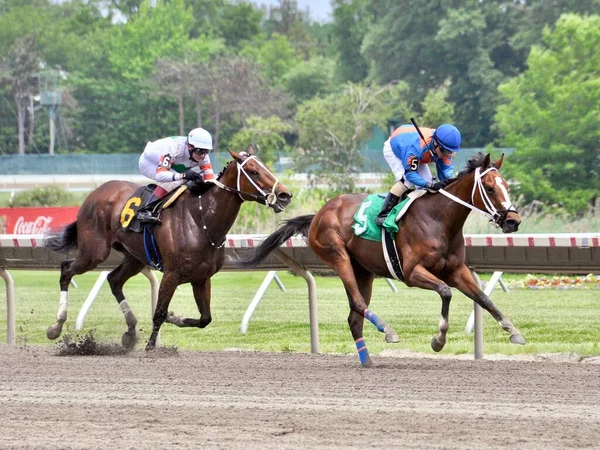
pixel 379 220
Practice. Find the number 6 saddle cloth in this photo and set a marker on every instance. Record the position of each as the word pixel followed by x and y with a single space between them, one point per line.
pixel 128 219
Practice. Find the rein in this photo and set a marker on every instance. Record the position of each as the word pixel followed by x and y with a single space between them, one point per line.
pixel 491 213
pixel 268 199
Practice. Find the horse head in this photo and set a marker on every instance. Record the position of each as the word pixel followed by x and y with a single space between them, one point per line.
pixel 254 181
pixel 490 193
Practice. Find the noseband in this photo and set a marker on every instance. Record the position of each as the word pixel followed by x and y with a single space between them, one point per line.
pixel 267 199
pixel 495 216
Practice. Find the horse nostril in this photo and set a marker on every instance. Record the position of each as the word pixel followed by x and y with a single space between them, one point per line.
pixel 284 196
pixel 514 224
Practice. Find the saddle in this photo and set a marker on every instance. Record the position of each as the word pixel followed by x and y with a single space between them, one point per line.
pixel 364 227
pixel 129 222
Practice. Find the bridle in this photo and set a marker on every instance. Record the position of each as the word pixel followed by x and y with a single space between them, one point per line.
pixel 496 216
pixel 268 199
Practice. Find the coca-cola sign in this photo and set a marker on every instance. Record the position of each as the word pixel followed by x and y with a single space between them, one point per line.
pixel 35 220
pixel 37 226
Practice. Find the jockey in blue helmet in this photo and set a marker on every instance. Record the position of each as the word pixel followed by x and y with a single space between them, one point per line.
pixel 408 155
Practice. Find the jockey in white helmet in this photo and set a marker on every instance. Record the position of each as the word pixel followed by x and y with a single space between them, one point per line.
pixel 173 161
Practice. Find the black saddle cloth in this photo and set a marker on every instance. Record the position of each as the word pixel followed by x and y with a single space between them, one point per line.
pixel 129 221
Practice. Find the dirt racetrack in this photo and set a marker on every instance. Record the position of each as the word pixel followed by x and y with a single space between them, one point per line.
pixel 250 400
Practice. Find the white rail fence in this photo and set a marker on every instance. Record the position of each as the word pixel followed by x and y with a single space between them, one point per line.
pixel 540 253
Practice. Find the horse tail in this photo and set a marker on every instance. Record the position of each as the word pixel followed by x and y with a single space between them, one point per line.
pixel 63 240
pixel 296 225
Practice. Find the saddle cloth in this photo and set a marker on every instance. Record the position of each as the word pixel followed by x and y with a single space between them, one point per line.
pixel 364 218
pixel 364 227
pixel 128 220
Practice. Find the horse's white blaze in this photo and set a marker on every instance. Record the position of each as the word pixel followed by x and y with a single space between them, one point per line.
pixel 61 315
pixel 506 202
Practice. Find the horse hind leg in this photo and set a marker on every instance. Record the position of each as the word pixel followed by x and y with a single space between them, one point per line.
pixel 129 267
pixel 167 288
pixel 68 269
pixel 54 331
pixel 364 281
pixel 202 297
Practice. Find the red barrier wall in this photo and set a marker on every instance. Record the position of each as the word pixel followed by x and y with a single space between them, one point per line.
pixel 35 220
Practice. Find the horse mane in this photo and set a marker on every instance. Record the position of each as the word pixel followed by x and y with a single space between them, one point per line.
pixel 473 163
pixel 201 188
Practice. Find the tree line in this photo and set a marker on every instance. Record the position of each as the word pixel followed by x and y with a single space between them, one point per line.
pixel 508 73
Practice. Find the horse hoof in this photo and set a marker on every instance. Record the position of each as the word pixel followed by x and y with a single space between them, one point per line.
pixel 174 319
pixel 436 345
pixel 368 363
pixel 128 340
pixel 391 337
pixel 53 332
pixel 517 339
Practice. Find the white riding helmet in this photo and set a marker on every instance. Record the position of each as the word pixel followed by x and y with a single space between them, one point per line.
pixel 200 138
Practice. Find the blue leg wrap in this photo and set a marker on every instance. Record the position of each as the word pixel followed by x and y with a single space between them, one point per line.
pixel 363 353
pixel 372 317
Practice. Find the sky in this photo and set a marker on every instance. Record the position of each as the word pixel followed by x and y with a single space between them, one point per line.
pixel 320 10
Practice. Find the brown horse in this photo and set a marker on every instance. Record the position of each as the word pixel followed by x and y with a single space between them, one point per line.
pixel 430 243
pixel 190 240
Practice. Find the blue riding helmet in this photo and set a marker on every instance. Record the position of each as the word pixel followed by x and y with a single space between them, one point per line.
pixel 448 137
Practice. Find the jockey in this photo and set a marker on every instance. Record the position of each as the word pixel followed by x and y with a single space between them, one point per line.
pixel 172 162
pixel 408 155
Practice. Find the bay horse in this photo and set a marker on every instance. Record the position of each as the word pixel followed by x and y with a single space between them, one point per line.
pixel 190 240
pixel 430 242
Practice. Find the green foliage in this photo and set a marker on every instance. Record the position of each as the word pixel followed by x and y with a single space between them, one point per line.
pixel 239 23
pixel 350 24
pixel 331 130
pixel 266 134
pixel 552 117
pixel 436 108
pixel 311 78
pixel 275 56
pixel 160 30
pixel 44 196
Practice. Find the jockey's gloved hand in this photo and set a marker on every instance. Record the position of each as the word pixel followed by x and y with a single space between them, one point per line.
pixel 435 186
pixel 191 175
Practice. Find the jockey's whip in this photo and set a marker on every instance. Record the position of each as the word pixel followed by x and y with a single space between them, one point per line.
pixel 417 127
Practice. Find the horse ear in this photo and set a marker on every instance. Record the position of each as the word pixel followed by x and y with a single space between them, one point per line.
pixel 486 161
pixel 233 154
pixel 498 162
pixel 251 150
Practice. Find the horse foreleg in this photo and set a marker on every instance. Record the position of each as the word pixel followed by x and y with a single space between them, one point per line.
pixel 464 282
pixel 202 297
pixel 421 277
pixel 128 268
pixel 167 288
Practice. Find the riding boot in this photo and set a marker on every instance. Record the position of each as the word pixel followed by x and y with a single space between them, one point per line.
pixel 390 201
pixel 147 213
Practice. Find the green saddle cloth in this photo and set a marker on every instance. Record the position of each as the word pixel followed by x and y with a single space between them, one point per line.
pixel 364 218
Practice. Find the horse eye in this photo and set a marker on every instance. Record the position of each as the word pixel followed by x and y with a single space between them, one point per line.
pixel 254 173
pixel 489 190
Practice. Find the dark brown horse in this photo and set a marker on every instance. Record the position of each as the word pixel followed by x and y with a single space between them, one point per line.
pixel 190 240
pixel 430 243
